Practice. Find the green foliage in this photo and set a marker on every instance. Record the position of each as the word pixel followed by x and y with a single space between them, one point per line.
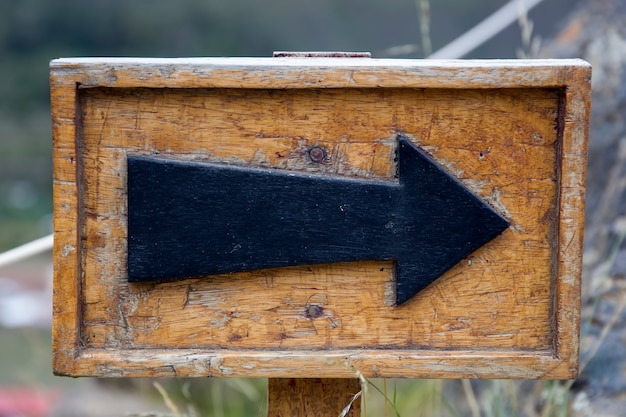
pixel 25 178
pixel 213 397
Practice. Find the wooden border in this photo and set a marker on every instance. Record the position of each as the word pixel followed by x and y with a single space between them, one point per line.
pixel 277 73
pixel 68 75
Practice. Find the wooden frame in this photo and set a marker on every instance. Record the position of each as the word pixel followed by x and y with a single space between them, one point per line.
pixel 79 83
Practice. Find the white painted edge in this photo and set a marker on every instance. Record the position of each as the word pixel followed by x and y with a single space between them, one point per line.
pixel 485 30
pixel 26 250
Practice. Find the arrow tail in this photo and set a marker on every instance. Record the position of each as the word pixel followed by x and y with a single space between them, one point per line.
pixel 190 219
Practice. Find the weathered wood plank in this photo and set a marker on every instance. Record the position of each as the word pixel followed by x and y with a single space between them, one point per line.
pixel 353 315
pixel 66 251
pixel 278 73
pixel 336 363
pixel 574 130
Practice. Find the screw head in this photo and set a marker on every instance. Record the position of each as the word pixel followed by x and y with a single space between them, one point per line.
pixel 317 154
pixel 314 311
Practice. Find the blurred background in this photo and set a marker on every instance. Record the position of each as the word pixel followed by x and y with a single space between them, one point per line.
pixel 32 32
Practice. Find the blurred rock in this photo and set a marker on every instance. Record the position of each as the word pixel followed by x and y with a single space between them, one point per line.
pixel 596 32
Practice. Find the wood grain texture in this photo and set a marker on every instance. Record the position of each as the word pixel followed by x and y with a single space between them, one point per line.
pixel 290 397
pixel 509 310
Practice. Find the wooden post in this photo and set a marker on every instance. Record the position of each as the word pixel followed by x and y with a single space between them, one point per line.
pixel 307 397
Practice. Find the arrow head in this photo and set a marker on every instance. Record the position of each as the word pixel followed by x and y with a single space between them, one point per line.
pixel 443 222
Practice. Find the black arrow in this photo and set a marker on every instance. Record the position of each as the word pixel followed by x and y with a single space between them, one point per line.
pixel 190 219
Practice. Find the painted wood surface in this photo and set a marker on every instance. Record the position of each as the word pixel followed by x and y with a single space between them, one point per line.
pixel 514 132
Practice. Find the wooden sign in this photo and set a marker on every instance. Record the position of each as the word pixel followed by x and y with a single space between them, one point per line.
pixel 318 217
